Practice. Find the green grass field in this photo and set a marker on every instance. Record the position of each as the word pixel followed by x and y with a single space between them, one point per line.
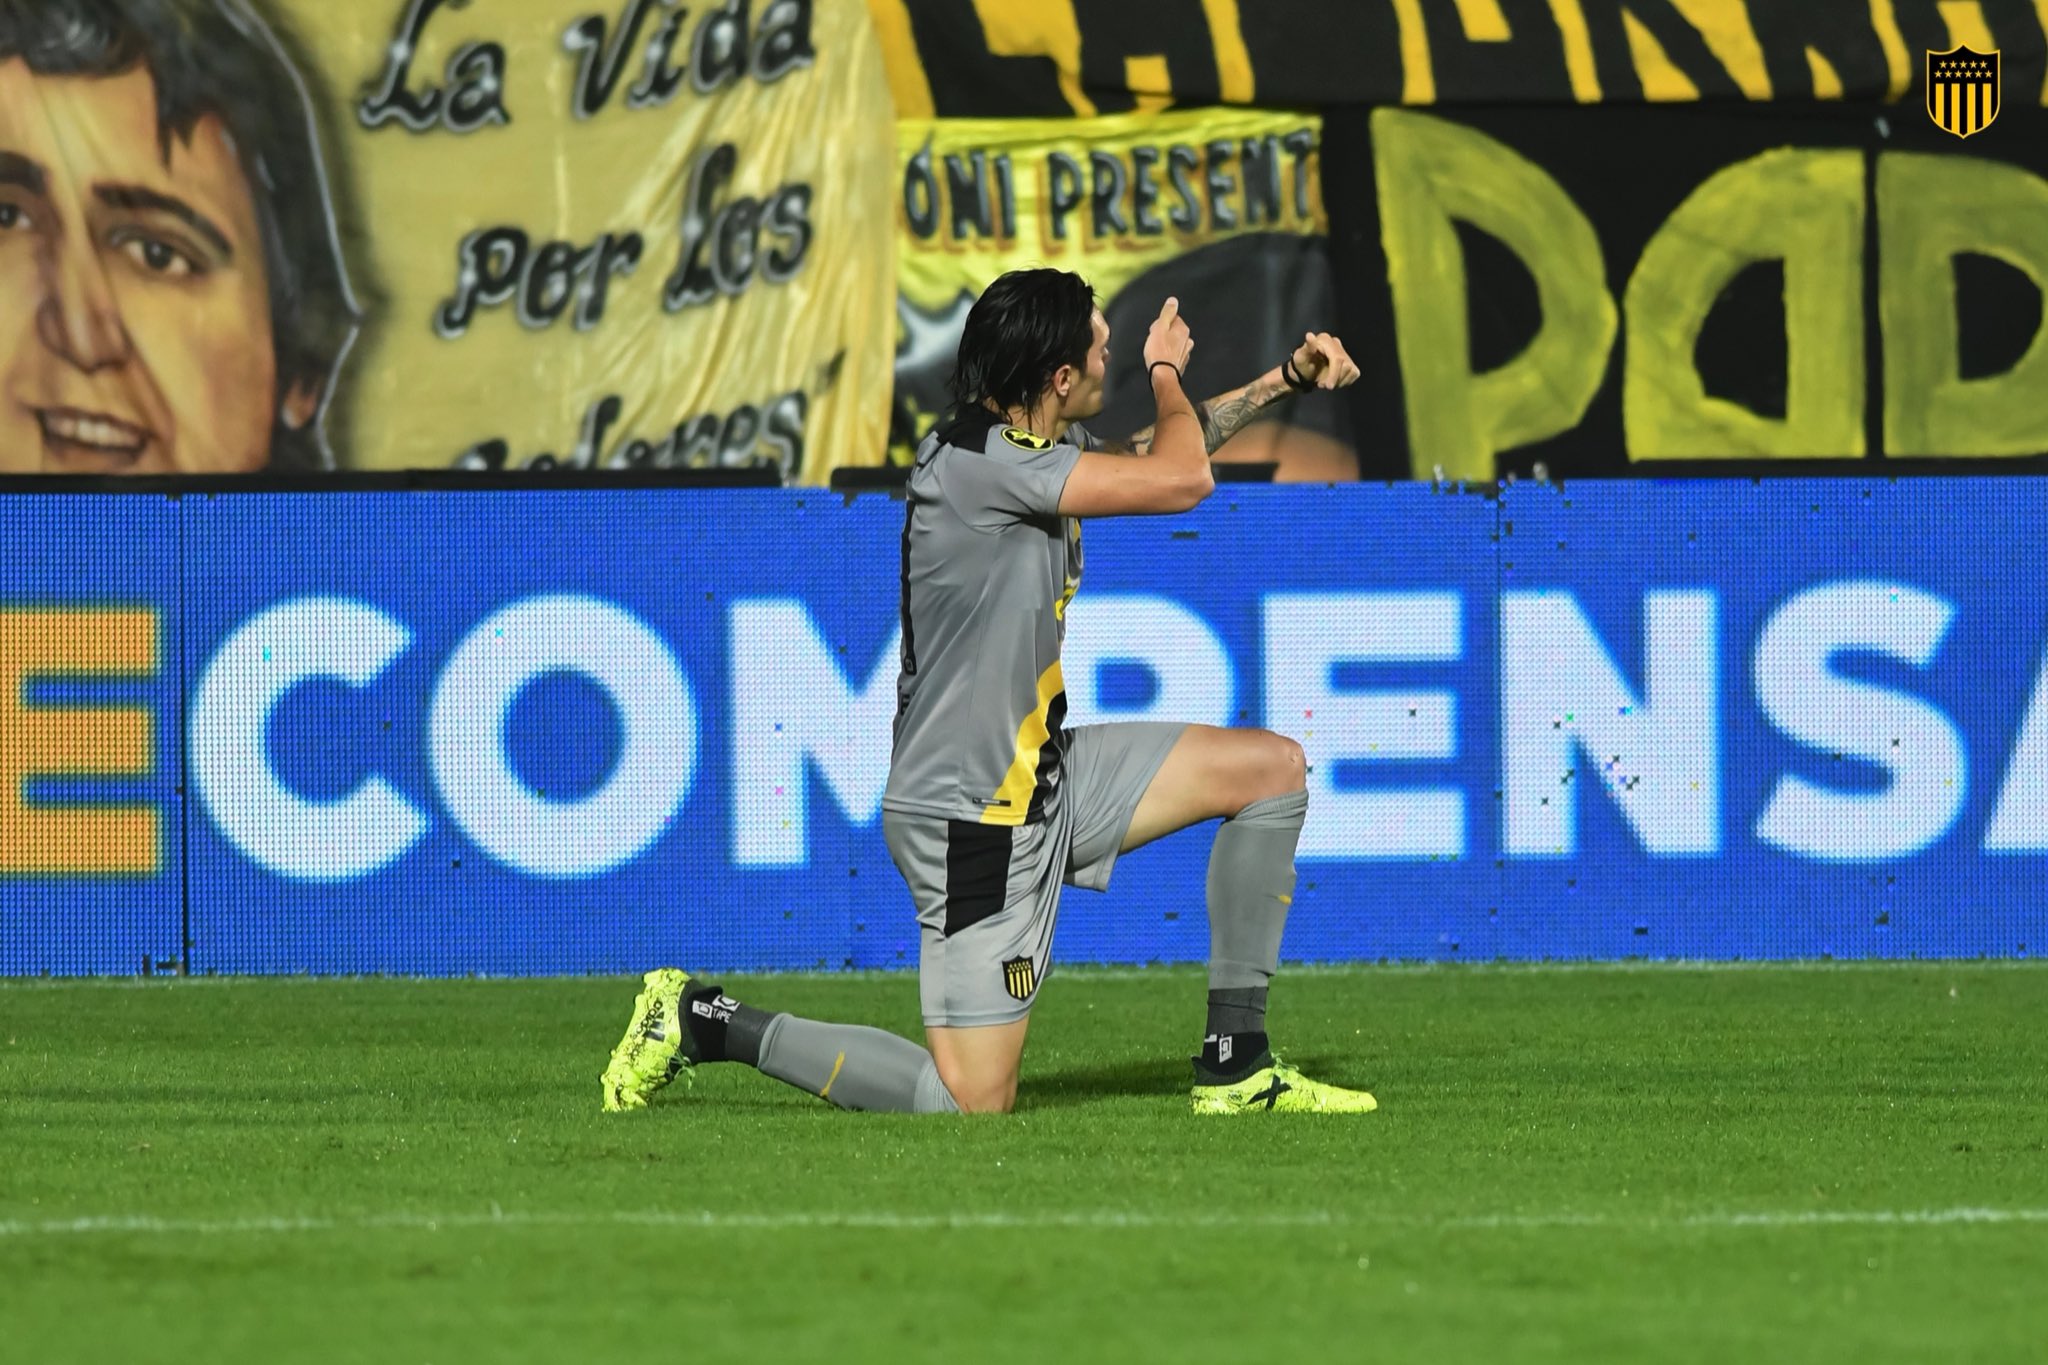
pixel 1570 1165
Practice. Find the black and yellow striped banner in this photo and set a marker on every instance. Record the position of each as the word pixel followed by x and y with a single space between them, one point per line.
pixel 1054 58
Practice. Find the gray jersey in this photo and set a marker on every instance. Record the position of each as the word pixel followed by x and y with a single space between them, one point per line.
pixel 989 566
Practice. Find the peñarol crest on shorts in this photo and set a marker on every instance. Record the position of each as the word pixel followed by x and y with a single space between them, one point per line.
pixel 1020 978
pixel 1962 90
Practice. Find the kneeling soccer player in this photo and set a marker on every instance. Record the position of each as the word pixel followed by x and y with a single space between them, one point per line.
pixel 991 804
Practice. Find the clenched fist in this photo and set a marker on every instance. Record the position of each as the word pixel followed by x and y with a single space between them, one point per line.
pixel 1322 360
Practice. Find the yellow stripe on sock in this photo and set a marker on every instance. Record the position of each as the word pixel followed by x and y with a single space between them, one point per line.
pixel 837 1062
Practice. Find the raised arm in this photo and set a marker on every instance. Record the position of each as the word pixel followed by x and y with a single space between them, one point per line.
pixel 1320 360
pixel 1172 473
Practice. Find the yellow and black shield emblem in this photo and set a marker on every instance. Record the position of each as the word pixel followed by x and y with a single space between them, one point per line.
pixel 1020 978
pixel 1962 90
pixel 1024 440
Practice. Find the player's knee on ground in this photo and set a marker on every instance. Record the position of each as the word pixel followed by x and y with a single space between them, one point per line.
pixel 986 1093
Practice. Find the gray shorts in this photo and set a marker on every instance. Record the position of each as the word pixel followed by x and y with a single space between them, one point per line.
pixel 987 895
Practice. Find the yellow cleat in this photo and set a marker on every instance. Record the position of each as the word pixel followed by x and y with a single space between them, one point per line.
pixel 655 1049
pixel 1280 1089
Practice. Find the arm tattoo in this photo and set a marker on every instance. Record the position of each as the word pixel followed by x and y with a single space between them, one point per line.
pixel 1221 418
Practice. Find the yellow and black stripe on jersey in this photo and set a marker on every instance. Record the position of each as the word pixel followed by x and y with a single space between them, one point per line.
pixel 1034 771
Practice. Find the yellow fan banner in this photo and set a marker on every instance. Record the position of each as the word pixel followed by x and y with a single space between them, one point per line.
pixel 1222 208
pixel 297 236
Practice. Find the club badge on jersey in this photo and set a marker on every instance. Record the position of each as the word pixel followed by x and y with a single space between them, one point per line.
pixel 1020 977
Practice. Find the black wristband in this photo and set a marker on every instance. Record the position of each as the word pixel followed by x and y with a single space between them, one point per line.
pixel 1168 364
pixel 1293 377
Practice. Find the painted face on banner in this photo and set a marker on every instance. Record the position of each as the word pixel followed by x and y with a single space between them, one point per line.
pixel 142 343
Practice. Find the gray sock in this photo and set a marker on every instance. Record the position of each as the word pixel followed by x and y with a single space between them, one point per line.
pixel 1237 1009
pixel 1251 885
pixel 853 1066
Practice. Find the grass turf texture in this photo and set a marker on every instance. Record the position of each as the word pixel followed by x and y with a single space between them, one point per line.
pixel 1586 1164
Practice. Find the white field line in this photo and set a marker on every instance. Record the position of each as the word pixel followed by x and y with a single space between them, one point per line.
pixel 1084 1219
pixel 1087 972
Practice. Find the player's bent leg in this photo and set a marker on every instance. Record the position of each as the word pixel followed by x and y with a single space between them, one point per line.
pixel 1212 772
pixel 679 1023
pixel 1256 781
pixel 987 897
pixel 980 1065
pixel 1250 889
